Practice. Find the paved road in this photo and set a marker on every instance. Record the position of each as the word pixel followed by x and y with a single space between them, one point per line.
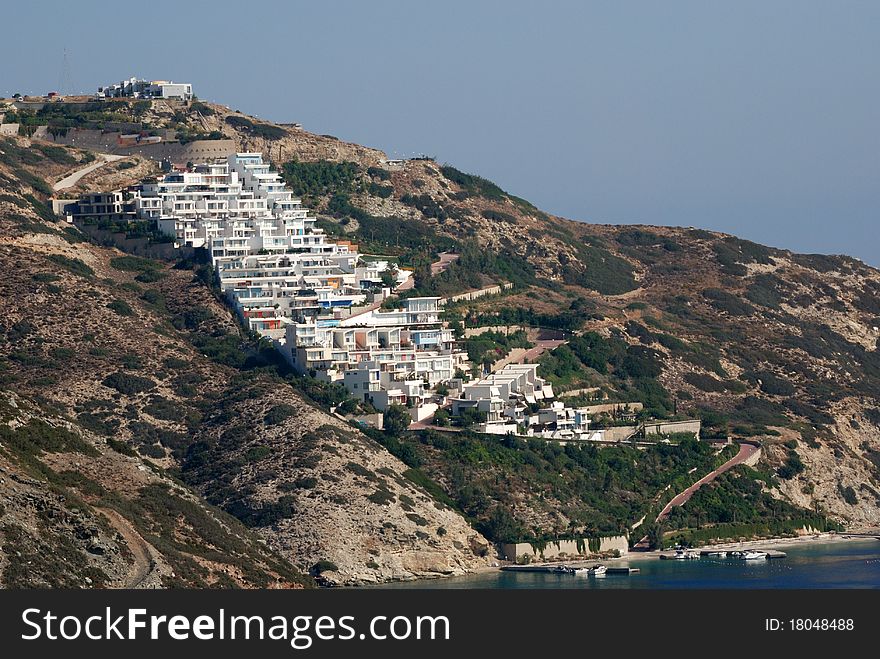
pixel 72 179
pixel 745 452
pixel 541 346
pixel 438 266
pixel 445 260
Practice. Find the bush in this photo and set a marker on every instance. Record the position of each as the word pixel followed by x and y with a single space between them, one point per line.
pixel 724 301
pixel 73 265
pixel 396 420
pixel 792 466
pixel 383 191
pixel 121 307
pixel 379 173
pixel 849 495
pixel 324 566
pixel 704 382
pixel 601 271
pixel 773 385
pixel 319 178
pixel 162 408
pixel 473 184
pixel 279 413
pixel 134 264
pixel 498 216
pixel 128 384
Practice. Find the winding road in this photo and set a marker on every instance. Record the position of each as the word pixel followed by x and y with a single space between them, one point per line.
pixel 745 452
pixel 72 179
pixel 142 552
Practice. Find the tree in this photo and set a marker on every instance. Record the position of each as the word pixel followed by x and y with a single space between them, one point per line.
pixel 655 536
pixel 389 276
pixel 396 420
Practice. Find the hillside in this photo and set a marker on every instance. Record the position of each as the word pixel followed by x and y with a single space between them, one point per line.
pixel 758 342
pixel 113 371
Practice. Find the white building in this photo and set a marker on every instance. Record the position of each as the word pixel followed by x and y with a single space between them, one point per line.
pixel 510 399
pixel 139 88
pixel 289 280
pixel 383 357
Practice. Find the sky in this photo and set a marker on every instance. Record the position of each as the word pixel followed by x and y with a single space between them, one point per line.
pixel 757 118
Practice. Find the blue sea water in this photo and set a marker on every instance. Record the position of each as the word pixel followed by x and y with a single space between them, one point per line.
pixel 814 565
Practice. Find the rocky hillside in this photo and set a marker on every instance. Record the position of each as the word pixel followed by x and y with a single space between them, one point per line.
pixel 117 375
pixel 759 342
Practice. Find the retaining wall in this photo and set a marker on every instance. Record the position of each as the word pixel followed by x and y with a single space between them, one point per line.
pixel 564 548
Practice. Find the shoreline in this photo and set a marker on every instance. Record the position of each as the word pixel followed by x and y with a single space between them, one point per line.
pixel 780 542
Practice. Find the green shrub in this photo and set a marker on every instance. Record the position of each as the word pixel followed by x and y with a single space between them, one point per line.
pixel 724 301
pixel 379 173
pixel 704 382
pixel 473 184
pixel 121 307
pixel 601 271
pixel 498 216
pixel 324 566
pixel 320 178
pixel 73 265
pixel 383 191
pixel 128 384
pixel 279 413
pixel 134 264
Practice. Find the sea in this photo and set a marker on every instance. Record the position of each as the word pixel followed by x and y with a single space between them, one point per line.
pixel 812 565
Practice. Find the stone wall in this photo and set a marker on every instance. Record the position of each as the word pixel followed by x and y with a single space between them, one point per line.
pixel 137 246
pixel 669 427
pixel 108 142
pixel 610 408
pixel 619 433
pixel 473 295
pixel 564 548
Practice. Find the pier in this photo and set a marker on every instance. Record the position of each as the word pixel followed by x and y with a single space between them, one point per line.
pixel 551 569
pixel 707 553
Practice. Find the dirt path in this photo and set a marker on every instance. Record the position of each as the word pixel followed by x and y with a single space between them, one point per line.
pixel 143 552
pixel 72 179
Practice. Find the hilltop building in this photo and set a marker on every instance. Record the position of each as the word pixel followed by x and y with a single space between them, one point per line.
pixel 138 88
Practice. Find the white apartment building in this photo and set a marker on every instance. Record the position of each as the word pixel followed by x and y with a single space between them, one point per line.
pixel 287 280
pixel 383 357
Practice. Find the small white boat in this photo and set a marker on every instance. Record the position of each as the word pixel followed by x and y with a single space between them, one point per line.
pixel 598 570
pixel 686 554
pixel 717 554
pixel 754 556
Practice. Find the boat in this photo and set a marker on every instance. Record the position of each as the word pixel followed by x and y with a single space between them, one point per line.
pixel 598 570
pixel 754 555
pixel 686 554
pixel 562 569
pixel 717 554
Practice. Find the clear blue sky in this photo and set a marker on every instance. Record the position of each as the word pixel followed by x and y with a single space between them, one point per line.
pixel 758 118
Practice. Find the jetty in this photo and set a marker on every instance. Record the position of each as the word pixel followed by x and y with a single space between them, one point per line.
pixel 708 553
pixel 552 569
